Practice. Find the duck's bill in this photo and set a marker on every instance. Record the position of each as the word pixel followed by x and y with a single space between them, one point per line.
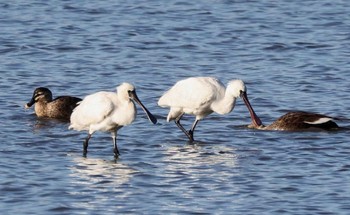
pixel 255 119
pixel 30 103
pixel 150 116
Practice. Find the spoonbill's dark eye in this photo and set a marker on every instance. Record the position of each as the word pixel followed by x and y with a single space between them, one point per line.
pixel 131 92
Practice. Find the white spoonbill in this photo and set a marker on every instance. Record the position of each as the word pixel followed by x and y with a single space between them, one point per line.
pixel 201 96
pixel 108 112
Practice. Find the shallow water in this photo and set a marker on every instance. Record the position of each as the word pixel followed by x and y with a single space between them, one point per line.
pixel 293 55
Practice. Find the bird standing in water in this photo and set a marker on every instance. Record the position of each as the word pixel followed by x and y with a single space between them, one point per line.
pixel 107 112
pixel 201 96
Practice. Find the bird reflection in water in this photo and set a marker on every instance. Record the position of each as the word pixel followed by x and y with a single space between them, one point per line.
pixel 92 172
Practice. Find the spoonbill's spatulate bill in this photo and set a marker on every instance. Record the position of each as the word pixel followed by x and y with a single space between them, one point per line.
pixel 58 108
pixel 108 112
pixel 301 121
pixel 201 96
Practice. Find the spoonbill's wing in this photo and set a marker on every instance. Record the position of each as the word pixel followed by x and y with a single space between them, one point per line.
pixel 191 93
pixel 92 110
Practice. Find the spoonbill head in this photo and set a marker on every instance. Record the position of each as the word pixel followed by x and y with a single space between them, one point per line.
pixel 201 96
pixel 59 108
pixel 107 112
pixel 301 121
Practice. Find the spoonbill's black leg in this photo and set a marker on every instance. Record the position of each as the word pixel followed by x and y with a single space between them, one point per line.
pixel 177 122
pixel 86 144
pixel 190 132
pixel 115 150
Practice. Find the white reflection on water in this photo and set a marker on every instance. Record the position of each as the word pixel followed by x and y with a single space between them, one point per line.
pixel 92 172
pixel 93 181
pixel 197 159
pixel 197 173
pixel 199 154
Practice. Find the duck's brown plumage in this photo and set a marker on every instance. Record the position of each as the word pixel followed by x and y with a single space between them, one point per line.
pixel 302 121
pixel 58 108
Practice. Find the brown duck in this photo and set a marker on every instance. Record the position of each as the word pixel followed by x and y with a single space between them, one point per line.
pixel 58 108
pixel 301 121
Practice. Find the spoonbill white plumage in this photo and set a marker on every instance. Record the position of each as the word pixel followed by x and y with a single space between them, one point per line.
pixel 108 112
pixel 301 121
pixel 201 96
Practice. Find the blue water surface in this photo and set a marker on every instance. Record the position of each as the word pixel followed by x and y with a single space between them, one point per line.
pixel 292 55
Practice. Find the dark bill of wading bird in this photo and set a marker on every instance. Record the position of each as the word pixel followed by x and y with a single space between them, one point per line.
pixel 201 96
pixel 107 112
pixel 58 108
pixel 301 121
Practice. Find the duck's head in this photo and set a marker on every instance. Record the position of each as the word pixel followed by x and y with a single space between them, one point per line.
pixel 40 94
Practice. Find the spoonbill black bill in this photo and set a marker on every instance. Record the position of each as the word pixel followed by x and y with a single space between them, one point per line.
pixel 107 112
pixel 58 108
pixel 201 96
